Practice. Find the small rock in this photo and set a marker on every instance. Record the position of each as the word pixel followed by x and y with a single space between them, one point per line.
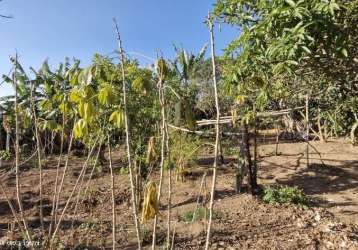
pixel 329 244
pixel 317 217
pixel 343 244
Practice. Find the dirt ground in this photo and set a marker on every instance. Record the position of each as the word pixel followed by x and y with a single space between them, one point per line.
pixel 241 221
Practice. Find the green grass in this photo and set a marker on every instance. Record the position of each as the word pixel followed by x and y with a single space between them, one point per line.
pixel 200 214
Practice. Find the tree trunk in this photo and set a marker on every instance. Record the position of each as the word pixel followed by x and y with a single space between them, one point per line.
pixel 241 167
pixel 254 166
pixel 8 141
pixel 251 169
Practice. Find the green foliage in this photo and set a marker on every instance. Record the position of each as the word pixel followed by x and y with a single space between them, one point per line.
pixel 117 118
pixel 122 170
pixel 289 48
pixel 200 214
pixel 5 155
pixel 185 147
pixel 284 194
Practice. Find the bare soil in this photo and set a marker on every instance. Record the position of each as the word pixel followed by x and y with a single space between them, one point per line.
pixel 241 222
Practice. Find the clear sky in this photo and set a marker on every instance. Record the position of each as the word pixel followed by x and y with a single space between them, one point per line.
pixel 55 29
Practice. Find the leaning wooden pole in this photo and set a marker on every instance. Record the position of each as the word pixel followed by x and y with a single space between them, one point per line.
pixel 126 124
pixel 217 130
pixel 17 155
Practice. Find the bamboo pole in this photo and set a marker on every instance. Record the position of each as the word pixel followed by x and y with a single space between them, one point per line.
pixel 126 123
pixel 229 119
pixel 203 133
pixel 217 130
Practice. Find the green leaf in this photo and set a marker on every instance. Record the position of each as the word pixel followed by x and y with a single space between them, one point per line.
pixel 85 77
pixel 117 118
pixel 306 49
pixel 105 95
pixel 291 3
pixel 75 96
pixel 80 128
pixel 344 52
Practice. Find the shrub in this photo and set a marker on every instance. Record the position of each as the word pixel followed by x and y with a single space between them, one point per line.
pixel 200 214
pixel 284 194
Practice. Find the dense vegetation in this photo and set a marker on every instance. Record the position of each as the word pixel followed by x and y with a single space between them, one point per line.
pixel 289 55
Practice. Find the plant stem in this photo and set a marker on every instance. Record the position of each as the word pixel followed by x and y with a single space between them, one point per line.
pixel 17 155
pixel 162 154
pixel 92 172
pixel 54 198
pixel 112 195
pixel 83 170
pixel 217 131
pixel 126 123
pixel 169 176
pixel 54 217
pixel 12 208
pixel 307 131
pixel 38 145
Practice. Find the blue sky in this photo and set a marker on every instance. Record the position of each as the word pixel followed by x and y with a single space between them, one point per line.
pixel 55 29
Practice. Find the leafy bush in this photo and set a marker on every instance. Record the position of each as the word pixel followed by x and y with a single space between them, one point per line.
pixel 284 194
pixel 5 155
